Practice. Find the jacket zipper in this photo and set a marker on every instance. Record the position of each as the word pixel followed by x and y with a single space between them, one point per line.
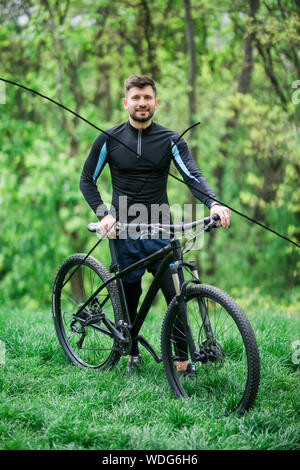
pixel 139 143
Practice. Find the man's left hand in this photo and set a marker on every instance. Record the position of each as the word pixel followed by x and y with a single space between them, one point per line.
pixel 223 212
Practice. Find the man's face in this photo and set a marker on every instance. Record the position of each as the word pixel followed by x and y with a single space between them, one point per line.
pixel 141 103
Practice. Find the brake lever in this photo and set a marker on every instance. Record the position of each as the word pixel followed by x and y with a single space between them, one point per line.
pixel 212 223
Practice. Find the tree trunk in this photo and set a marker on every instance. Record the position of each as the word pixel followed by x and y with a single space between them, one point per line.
pixel 243 87
pixel 192 101
pixel 192 75
pixel 151 44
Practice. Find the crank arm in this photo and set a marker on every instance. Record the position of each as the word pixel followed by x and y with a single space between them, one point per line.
pixel 115 333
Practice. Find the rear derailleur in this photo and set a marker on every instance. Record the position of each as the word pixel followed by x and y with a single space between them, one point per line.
pixel 88 316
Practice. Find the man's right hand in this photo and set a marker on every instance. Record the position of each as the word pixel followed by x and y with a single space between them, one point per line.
pixel 107 226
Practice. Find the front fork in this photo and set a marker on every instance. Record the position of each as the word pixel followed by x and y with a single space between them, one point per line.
pixel 180 290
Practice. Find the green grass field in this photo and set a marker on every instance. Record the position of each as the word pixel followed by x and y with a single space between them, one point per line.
pixel 46 403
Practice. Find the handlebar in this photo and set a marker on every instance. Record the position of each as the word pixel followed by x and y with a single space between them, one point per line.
pixel 208 222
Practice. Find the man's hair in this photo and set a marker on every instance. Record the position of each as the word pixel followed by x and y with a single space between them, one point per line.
pixel 140 81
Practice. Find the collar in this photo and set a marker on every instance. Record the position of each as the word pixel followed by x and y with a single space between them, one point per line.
pixel 134 129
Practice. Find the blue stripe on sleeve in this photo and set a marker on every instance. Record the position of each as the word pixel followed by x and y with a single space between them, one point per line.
pixel 178 159
pixel 101 160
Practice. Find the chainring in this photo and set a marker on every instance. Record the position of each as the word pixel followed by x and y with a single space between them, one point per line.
pixel 124 346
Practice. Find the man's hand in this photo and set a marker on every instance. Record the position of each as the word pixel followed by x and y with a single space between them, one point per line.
pixel 223 212
pixel 107 225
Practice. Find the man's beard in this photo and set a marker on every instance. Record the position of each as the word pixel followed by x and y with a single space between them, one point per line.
pixel 141 119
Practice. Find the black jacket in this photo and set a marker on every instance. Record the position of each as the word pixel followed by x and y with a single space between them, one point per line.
pixel 143 179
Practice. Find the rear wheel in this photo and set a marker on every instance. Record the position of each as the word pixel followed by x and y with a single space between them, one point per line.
pixel 85 340
pixel 228 365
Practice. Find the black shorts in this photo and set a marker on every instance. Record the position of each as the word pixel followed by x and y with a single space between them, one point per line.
pixel 129 251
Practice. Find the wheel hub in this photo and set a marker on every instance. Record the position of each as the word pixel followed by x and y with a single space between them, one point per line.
pixel 211 353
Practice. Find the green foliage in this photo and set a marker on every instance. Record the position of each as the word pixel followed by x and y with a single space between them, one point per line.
pixel 247 145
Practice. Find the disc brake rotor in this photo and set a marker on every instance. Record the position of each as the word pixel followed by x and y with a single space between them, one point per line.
pixel 214 353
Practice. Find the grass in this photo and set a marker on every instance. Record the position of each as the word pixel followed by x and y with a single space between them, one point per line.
pixel 46 403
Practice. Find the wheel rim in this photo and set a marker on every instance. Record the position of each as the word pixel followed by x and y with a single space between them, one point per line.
pixel 87 340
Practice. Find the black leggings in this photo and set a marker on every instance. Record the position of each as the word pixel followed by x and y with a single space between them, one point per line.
pixel 133 292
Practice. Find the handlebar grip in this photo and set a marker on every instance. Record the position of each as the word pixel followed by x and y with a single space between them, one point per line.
pixel 211 222
pixel 92 227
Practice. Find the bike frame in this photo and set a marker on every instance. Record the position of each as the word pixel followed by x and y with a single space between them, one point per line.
pixel 172 258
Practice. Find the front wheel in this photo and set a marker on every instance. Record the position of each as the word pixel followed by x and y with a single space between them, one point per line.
pixel 227 364
pixel 84 338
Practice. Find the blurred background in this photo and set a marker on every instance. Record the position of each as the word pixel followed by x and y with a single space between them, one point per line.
pixel 232 65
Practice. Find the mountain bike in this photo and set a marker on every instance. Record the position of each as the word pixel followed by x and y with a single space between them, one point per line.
pixel 94 329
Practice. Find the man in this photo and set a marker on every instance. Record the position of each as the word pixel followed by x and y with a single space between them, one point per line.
pixel 142 179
